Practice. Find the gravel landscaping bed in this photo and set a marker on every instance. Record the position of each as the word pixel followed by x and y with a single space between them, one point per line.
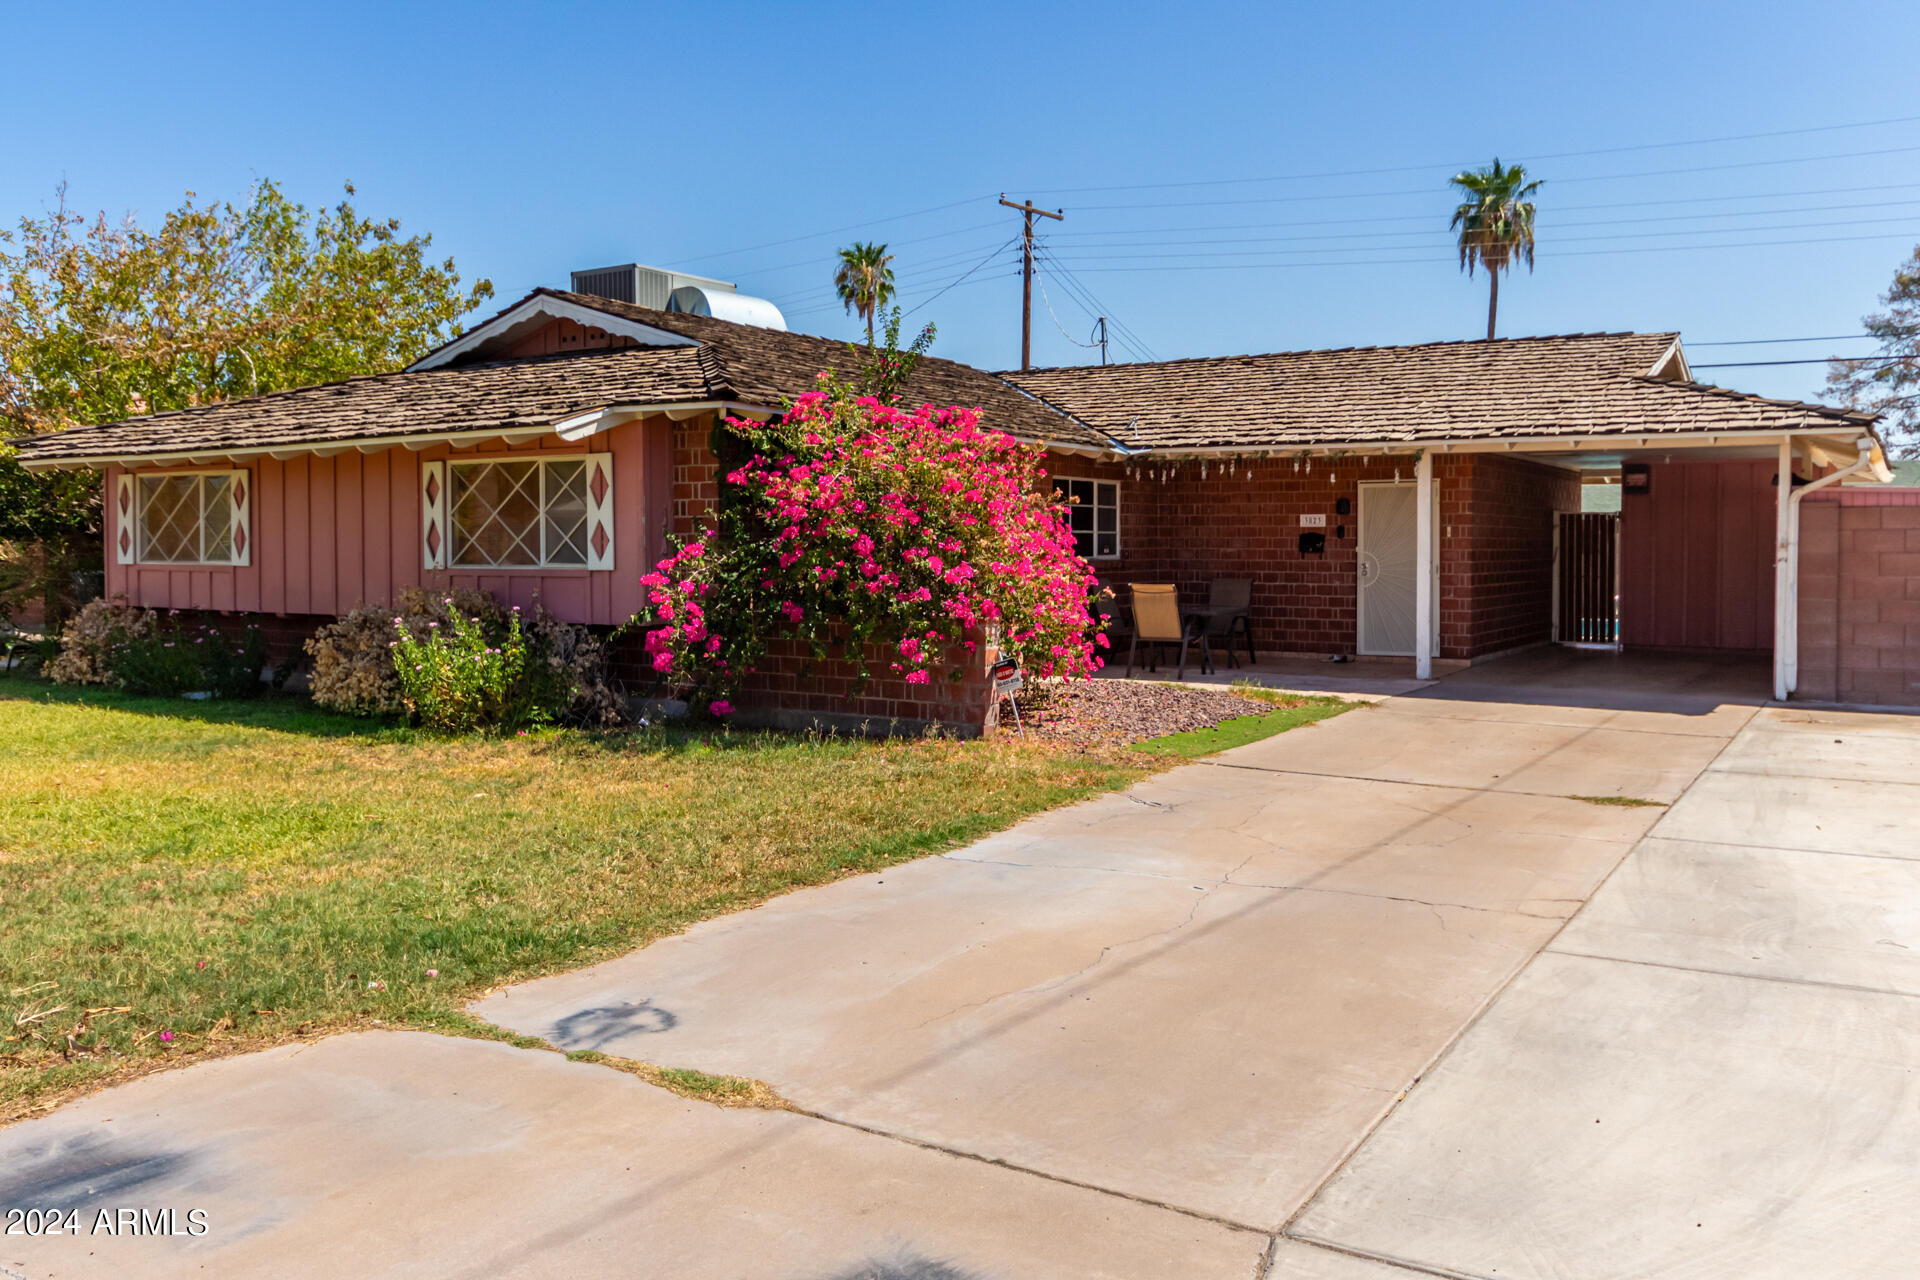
pixel 1114 713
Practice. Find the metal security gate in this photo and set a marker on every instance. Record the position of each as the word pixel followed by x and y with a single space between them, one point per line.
pixel 1586 573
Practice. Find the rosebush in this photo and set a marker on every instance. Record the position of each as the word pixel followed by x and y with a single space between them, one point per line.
pixel 857 522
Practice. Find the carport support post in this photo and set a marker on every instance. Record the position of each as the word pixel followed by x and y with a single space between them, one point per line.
pixel 1423 566
pixel 1783 584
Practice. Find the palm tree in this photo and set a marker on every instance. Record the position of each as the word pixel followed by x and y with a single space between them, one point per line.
pixel 864 281
pixel 1495 224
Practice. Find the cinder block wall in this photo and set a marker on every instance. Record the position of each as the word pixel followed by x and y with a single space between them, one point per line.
pixel 1860 597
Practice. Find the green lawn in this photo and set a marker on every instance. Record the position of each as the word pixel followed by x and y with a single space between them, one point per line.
pixel 179 879
pixel 1292 712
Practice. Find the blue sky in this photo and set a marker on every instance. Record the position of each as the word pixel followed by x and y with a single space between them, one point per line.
pixel 1188 146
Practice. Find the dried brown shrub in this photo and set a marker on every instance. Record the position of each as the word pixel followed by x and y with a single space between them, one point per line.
pixel 89 636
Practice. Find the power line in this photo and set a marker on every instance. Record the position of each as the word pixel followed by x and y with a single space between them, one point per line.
pixel 834 231
pixel 1085 295
pixel 1576 253
pixel 975 267
pixel 1449 243
pixel 1430 222
pixel 1428 191
pixel 1757 364
pixel 1558 208
pixel 1761 342
pixel 1420 168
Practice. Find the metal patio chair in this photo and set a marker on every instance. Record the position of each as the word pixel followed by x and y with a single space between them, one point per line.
pixel 1230 610
pixel 1157 620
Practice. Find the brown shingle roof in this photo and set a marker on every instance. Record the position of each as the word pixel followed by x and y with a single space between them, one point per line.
pixel 473 397
pixel 732 362
pixel 1523 388
pixel 771 366
pixel 1518 388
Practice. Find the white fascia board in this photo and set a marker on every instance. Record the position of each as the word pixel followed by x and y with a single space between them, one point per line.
pixel 1517 444
pixel 539 310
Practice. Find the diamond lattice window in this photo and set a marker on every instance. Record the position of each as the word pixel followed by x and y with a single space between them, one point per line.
pixel 186 518
pixel 519 514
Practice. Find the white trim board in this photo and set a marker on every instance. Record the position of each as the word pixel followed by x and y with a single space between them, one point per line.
pixel 539 310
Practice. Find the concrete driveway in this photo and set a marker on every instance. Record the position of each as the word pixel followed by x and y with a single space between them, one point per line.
pixel 1713 1071
pixel 1131 1038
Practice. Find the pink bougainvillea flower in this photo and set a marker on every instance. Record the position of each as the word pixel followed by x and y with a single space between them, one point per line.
pixel 913 528
pixel 720 707
pixel 166 1037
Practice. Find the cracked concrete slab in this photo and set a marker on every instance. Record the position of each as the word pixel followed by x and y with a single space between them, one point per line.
pixel 1712 719
pixel 1219 1053
pixel 399 1153
pixel 1846 746
pixel 1777 913
pixel 1836 815
pixel 1299 1260
pixel 1505 851
pixel 1544 759
pixel 1717 1053
pixel 1610 1120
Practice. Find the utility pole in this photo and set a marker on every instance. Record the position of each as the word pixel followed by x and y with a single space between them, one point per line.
pixel 1026 275
pixel 1103 340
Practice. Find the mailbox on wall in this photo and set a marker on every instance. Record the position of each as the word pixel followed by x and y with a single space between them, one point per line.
pixel 1636 478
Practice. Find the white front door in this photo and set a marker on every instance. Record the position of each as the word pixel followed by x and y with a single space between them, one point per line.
pixel 1388 569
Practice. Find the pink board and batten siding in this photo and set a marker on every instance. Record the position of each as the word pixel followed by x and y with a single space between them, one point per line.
pixel 1696 557
pixel 329 533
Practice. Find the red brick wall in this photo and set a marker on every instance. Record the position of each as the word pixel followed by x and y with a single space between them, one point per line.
pixel 695 476
pixel 1860 597
pixel 1242 520
pixel 792 689
pixel 1498 584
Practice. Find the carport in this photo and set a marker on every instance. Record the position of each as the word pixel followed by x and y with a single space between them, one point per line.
pixel 1703 555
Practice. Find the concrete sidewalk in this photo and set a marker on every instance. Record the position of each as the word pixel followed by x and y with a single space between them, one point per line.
pixel 1129 1038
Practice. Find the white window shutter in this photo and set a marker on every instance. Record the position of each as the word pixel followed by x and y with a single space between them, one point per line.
pixel 240 485
pixel 126 516
pixel 433 515
pixel 599 511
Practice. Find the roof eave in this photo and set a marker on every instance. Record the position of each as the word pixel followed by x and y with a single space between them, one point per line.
pixel 575 426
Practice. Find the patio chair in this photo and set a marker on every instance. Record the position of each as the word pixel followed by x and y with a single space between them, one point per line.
pixel 1102 598
pixel 1230 609
pixel 1157 621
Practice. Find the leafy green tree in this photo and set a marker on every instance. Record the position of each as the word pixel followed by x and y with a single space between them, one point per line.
pixel 1888 383
pixel 1495 223
pixel 101 321
pixel 864 281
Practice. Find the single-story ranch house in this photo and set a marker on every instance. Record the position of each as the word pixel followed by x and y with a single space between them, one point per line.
pixel 1422 501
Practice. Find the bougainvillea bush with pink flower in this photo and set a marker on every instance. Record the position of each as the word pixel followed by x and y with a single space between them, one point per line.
pixel 868 528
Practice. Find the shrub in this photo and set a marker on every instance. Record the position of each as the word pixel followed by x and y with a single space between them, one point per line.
pixel 458 679
pixel 89 637
pixel 565 666
pixel 861 522
pixel 353 658
pixel 143 653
